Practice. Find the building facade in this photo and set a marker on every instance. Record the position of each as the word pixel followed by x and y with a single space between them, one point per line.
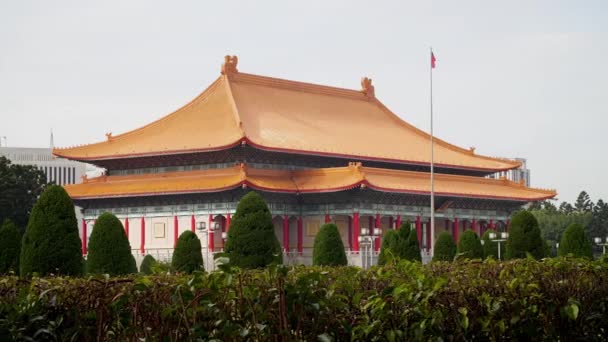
pixel 317 154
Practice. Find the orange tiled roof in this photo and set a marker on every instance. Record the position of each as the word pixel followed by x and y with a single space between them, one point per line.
pixel 303 181
pixel 289 116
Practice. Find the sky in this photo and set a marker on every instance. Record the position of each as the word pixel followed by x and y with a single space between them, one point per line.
pixel 513 78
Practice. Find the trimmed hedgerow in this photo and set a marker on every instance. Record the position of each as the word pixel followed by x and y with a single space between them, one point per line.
pixel 109 249
pixel 557 299
pixel 576 242
pixel 51 244
pixel 328 247
pixel 524 237
pixel 10 245
pixel 445 248
pixel 469 246
pixel 251 240
pixel 187 256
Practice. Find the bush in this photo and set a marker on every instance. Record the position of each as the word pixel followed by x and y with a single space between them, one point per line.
pixel 524 237
pixel 147 264
pixel 400 245
pixel 251 240
pixel 445 248
pixel 576 242
pixel 389 248
pixel 490 248
pixel 109 249
pixel 10 245
pixel 411 250
pixel 187 256
pixel 469 246
pixel 328 247
pixel 51 243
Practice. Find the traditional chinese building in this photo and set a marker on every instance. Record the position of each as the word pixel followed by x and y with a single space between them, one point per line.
pixel 308 149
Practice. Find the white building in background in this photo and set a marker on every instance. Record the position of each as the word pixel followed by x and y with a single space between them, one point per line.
pixel 520 174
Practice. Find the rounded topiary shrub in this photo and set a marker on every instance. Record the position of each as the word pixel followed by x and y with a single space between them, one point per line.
pixel 524 237
pixel 445 248
pixel 251 240
pixel 10 245
pixel 187 256
pixel 51 243
pixel 490 248
pixel 389 248
pixel 109 249
pixel 575 242
pixel 147 264
pixel 469 246
pixel 328 247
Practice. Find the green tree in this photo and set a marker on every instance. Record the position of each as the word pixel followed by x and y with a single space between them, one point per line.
pixel 328 247
pixel 566 208
pixel 552 224
pixel 469 246
pixel 409 238
pixel 51 243
pixel 576 242
pixel 251 240
pixel 524 237
pixel 187 256
pixel 583 203
pixel 445 248
pixel 598 227
pixel 109 248
pixel 389 248
pixel 490 248
pixel 20 186
pixel 10 245
pixel 148 264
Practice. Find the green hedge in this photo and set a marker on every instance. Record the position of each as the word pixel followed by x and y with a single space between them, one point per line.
pixel 328 247
pixel 51 244
pixel 490 248
pixel 554 299
pixel 445 248
pixel 187 255
pixel 576 242
pixel 524 237
pixel 109 249
pixel 147 265
pixel 469 246
pixel 10 245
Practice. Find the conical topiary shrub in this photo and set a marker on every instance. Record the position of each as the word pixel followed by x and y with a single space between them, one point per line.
pixel 469 246
pixel 251 240
pixel 389 247
pixel 524 237
pixel 575 242
pixel 51 243
pixel 490 248
pixel 187 256
pixel 328 247
pixel 411 249
pixel 109 249
pixel 10 245
pixel 147 264
pixel 445 248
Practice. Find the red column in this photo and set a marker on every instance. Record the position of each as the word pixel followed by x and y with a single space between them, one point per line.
pixel 211 240
pixel 379 239
pixel 84 237
pixel 456 229
pixel 192 223
pixel 350 233
pixel 227 222
pixel 419 230
pixel 428 236
pixel 507 225
pixel 175 231
pixel 127 227
pixel 492 224
pixel 286 233
pixel 356 230
pixel 474 227
pixel 327 218
pixel 300 235
pixel 143 236
pixel 398 223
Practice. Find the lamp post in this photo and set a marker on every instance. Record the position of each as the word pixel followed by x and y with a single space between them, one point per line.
pixel 503 237
pixel 202 229
pixel 598 241
pixel 367 240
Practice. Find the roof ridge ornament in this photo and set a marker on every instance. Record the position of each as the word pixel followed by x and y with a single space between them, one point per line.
pixel 367 88
pixel 109 136
pixel 229 66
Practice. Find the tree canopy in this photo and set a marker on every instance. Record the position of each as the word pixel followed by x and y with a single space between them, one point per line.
pixel 524 237
pixel 109 248
pixel 20 187
pixel 10 245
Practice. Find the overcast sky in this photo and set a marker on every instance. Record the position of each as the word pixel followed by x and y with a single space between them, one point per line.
pixel 513 78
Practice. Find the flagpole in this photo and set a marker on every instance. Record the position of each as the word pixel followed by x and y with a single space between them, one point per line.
pixel 432 229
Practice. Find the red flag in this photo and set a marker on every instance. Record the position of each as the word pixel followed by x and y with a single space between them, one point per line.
pixel 433 60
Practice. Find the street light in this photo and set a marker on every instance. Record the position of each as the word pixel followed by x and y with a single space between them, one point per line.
pixel 494 237
pixel 599 242
pixel 367 240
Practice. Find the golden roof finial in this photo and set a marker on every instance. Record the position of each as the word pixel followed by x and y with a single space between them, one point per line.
pixel 367 88
pixel 109 136
pixel 229 66
pixel 472 149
